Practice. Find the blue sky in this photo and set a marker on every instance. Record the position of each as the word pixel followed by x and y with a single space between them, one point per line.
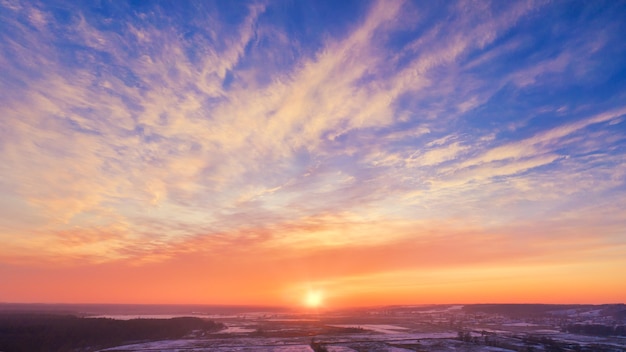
pixel 142 133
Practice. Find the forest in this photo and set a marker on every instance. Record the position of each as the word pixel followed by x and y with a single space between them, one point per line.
pixel 48 332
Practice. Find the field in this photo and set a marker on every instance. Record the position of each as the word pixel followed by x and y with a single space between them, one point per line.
pixel 493 328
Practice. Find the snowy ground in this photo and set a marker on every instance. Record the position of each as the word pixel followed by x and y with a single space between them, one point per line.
pixel 433 330
pixel 382 328
pixel 379 342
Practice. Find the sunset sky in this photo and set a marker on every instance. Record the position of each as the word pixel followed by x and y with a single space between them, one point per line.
pixel 348 152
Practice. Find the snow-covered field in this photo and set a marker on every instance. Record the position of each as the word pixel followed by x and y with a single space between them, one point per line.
pixel 222 345
pixel 386 330
pixel 382 328
pixel 236 330
pixel 383 342
pixel 147 316
pixel 520 324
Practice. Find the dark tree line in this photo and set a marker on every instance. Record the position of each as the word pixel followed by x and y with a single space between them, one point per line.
pixel 318 346
pixel 43 333
pixel 597 329
pixel 520 310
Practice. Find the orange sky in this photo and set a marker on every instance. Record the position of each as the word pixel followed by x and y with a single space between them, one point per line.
pixel 444 266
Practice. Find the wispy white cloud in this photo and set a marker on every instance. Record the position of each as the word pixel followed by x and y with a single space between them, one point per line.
pixel 167 134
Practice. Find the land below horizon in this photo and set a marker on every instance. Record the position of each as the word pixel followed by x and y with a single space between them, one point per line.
pixel 176 328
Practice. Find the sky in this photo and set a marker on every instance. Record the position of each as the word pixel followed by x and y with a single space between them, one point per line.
pixel 350 153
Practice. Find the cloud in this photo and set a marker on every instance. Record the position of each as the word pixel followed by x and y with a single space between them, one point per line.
pixel 430 137
pixel 540 142
pixel 438 155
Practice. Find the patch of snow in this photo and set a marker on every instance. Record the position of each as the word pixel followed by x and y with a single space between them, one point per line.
pixel 439 310
pixel 235 330
pixel 496 331
pixel 339 349
pixel 294 348
pixel 155 345
pixel 431 335
pixel 147 316
pixel 519 324
pixel 546 331
pixel 385 329
pixel 291 348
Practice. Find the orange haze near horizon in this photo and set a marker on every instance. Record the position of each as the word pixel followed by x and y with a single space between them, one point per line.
pixel 394 274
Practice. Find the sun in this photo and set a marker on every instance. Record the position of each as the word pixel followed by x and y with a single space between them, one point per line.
pixel 314 299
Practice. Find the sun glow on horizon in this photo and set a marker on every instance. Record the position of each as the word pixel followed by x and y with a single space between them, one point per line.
pixel 314 299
